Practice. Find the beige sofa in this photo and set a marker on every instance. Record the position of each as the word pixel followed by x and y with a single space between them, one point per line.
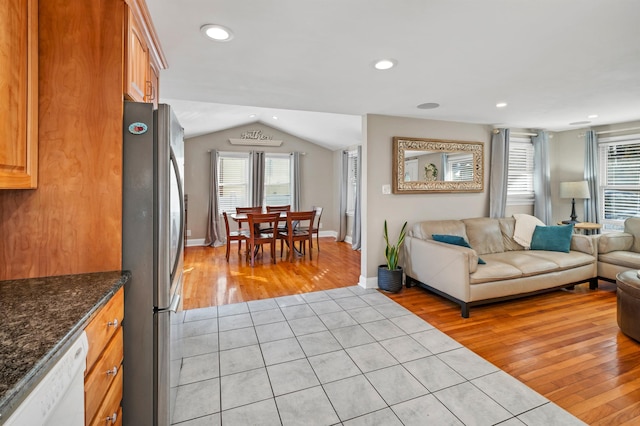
pixel 619 251
pixel 510 271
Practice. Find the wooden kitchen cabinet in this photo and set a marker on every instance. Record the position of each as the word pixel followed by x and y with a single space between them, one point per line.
pixel 19 94
pixel 137 61
pixel 143 57
pixel 103 376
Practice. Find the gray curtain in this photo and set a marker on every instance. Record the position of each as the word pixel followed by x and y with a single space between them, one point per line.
pixel 591 205
pixel 499 173
pixel 541 177
pixel 295 205
pixel 356 240
pixel 215 235
pixel 257 178
pixel 344 183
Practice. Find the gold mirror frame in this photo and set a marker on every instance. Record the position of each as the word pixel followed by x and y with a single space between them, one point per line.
pixel 401 145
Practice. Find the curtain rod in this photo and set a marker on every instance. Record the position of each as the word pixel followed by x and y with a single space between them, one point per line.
pixel 604 132
pixel 496 131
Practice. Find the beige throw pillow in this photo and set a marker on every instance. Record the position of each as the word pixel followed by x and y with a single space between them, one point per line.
pixel 525 225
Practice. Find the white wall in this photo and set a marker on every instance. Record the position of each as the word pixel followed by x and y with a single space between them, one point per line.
pixel 317 170
pixel 395 208
pixel 566 163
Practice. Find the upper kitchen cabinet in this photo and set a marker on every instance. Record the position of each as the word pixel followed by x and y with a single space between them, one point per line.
pixel 19 94
pixel 143 56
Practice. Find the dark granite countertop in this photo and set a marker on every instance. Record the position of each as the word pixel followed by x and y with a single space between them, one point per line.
pixel 40 318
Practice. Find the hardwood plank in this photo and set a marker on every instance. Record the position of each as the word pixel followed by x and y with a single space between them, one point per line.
pixel 566 345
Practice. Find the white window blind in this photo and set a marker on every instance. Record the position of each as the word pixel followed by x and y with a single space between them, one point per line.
pixel 233 181
pixel 459 167
pixel 520 173
pixel 352 180
pixel 277 180
pixel 619 183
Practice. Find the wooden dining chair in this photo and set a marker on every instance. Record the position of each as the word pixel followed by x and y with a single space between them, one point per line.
pixel 245 210
pixel 239 236
pixel 258 236
pixel 273 209
pixel 293 233
pixel 315 228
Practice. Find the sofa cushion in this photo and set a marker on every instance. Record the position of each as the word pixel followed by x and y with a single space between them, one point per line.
pixel 484 235
pixel 494 270
pixel 507 227
pixel 564 261
pixel 523 231
pixel 627 259
pixel 614 241
pixel 455 240
pixel 425 229
pixel 516 264
pixel 552 238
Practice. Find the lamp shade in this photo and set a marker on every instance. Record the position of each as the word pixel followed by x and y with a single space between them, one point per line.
pixel 574 189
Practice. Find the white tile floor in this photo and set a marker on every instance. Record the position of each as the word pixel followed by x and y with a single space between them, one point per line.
pixel 347 356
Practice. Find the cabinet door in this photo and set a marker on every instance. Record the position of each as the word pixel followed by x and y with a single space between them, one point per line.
pixel 137 59
pixel 18 94
pixel 153 93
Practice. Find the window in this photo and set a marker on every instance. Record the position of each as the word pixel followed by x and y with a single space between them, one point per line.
pixel 233 181
pixel 520 174
pixel 459 167
pixel 277 180
pixel 619 183
pixel 235 186
pixel 352 179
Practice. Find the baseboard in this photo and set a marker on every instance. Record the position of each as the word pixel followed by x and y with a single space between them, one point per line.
pixel 370 282
pixel 195 242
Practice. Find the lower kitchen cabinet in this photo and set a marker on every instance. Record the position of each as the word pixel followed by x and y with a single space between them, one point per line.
pixel 103 376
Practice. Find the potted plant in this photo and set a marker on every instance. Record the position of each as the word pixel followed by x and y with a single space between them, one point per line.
pixel 390 274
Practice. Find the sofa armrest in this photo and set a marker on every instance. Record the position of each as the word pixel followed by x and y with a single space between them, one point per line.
pixel 445 267
pixel 585 244
pixel 615 241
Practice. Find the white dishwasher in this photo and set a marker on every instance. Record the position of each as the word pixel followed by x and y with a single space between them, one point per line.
pixel 59 397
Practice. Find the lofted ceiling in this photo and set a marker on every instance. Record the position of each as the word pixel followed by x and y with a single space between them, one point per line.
pixel 310 63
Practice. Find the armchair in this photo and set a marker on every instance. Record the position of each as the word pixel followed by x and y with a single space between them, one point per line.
pixel 619 251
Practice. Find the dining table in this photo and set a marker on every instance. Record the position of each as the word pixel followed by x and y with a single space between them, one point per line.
pixel 241 218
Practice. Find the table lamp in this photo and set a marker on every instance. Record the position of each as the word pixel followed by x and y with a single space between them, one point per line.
pixel 574 190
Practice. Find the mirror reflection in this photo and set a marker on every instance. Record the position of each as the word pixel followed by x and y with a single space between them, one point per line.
pixel 434 165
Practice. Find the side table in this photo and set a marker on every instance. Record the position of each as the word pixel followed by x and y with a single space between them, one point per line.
pixel 588 228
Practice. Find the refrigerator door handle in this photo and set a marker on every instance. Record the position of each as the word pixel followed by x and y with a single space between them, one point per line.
pixel 173 307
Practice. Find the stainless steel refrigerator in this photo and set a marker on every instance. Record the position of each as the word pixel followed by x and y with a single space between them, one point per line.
pixel 153 250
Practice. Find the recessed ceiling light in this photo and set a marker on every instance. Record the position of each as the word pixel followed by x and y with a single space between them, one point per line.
pixel 592 116
pixel 428 105
pixel 252 116
pixel 501 104
pixel 577 123
pixel 385 64
pixel 275 117
pixel 217 32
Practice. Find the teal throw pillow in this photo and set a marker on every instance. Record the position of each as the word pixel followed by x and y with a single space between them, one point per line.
pixel 552 238
pixel 455 240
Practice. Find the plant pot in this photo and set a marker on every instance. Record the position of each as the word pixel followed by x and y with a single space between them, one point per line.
pixel 389 280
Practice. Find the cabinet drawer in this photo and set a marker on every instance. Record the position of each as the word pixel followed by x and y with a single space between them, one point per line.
pixel 104 326
pixel 102 376
pixel 110 412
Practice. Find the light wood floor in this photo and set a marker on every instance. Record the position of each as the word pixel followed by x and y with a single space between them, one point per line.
pixel 211 281
pixel 566 345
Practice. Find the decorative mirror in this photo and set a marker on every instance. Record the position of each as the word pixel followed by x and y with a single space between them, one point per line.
pixel 437 165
